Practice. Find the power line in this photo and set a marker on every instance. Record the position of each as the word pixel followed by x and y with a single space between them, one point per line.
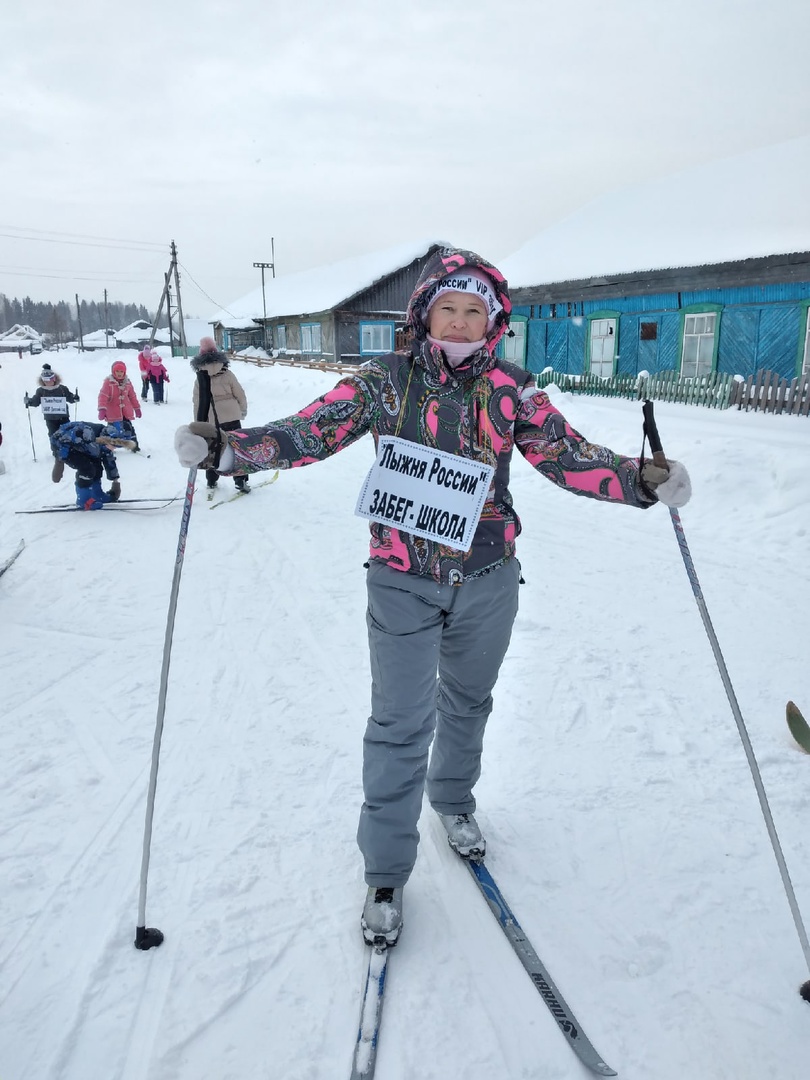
pixel 76 277
pixel 81 243
pixel 205 294
pixel 81 236
pixel 103 275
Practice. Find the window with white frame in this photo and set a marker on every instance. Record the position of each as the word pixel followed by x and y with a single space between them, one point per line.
pixel 603 347
pixel 281 337
pixel 311 337
pixel 376 337
pixel 698 345
pixel 514 343
pixel 806 360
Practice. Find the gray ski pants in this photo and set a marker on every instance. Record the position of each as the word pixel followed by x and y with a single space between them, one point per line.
pixel 419 630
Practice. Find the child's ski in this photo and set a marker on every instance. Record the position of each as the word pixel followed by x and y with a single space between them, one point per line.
pixel 70 506
pixel 799 728
pixel 12 557
pixel 240 494
pixel 81 509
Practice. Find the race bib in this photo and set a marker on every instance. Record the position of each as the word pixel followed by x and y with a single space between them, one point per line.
pixel 428 493
pixel 53 406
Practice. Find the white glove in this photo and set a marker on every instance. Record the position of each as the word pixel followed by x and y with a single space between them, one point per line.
pixel 191 449
pixel 676 490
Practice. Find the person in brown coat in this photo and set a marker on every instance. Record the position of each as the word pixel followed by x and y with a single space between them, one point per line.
pixel 228 399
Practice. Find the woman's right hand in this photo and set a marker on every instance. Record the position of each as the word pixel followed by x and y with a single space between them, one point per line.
pixel 197 443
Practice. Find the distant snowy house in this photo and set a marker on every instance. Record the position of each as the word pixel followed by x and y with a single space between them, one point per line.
pixel 22 337
pixel 138 333
pixel 705 270
pixel 194 329
pixel 347 311
pixel 99 339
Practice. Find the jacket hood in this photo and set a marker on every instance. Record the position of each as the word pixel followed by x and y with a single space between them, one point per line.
pixel 446 261
pixel 202 360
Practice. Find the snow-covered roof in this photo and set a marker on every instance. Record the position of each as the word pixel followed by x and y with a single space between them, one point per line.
pixel 20 332
pixel 237 324
pixel 196 329
pixel 740 207
pixel 141 330
pixel 99 340
pixel 321 289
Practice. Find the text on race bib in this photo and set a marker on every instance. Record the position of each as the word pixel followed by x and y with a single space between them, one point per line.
pixel 426 492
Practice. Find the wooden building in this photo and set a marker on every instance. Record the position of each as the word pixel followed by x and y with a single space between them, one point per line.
pixel 735 317
pixel 344 312
pixel 704 271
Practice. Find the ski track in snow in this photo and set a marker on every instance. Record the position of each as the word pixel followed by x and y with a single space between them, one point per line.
pixel 622 822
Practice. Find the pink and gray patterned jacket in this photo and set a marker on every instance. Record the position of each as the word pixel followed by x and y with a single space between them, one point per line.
pixel 481 410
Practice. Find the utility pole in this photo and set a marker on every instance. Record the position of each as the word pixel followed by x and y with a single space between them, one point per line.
pixel 106 323
pixel 263 266
pixel 183 342
pixel 79 321
pixel 166 297
pixel 169 308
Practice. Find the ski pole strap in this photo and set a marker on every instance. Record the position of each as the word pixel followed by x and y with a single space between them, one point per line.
pixel 651 434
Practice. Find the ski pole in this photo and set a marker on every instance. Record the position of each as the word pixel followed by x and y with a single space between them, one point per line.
pixel 31 429
pixel 76 404
pixel 651 431
pixel 147 937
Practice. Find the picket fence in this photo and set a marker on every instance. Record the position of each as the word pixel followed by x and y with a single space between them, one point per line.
pixel 767 391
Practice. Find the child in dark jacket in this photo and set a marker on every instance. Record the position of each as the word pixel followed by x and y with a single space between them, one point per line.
pixel 88 448
pixel 55 400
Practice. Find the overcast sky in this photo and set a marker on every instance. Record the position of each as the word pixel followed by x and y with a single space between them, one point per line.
pixel 341 128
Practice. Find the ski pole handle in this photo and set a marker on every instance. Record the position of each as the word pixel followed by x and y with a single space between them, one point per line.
pixel 651 431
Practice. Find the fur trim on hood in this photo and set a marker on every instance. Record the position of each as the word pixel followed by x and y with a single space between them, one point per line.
pixel 202 360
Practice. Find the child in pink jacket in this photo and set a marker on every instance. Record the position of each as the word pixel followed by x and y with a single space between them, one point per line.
pixel 144 360
pixel 118 403
pixel 158 375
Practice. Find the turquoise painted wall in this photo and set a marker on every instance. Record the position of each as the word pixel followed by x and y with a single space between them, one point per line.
pixel 761 328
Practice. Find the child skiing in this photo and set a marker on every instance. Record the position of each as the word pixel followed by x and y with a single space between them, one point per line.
pixel 157 376
pixel 144 360
pixel 118 403
pixel 88 448
pixel 55 400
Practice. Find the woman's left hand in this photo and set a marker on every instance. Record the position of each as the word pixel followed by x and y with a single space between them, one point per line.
pixel 671 485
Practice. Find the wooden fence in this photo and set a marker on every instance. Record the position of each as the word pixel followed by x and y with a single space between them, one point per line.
pixel 297 362
pixel 765 391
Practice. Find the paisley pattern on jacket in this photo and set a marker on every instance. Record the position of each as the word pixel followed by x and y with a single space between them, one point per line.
pixel 480 416
pixel 480 410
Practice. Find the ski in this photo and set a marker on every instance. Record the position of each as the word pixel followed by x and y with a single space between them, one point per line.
pixel 132 504
pixel 241 494
pixel 368 1033
pixel 536 970
pixel 799 728
pixel 12 558
pixel 81 510
pixel 70 506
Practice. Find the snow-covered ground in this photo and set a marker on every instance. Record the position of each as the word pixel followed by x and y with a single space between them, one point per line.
pixel 623 824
